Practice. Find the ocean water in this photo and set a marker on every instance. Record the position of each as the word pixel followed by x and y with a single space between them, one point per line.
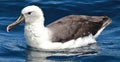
pixel 13 46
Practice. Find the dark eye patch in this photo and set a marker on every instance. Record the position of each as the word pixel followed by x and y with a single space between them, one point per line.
pixel 29 13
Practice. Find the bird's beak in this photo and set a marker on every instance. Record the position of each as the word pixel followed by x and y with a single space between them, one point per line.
pixel 20 19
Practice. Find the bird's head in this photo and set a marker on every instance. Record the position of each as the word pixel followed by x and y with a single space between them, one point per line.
pixel 29 14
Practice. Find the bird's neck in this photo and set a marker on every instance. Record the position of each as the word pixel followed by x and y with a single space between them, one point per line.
pixel 35 27
pixel 36 33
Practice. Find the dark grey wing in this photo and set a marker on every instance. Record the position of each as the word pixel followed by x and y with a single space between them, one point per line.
pixel 75 26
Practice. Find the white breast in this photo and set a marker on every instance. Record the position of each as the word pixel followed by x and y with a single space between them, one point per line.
pixel 36 36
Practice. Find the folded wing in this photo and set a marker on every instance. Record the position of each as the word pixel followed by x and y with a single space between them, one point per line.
pixel 75 26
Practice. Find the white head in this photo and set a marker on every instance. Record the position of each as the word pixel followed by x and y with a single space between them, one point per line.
pixel 30 14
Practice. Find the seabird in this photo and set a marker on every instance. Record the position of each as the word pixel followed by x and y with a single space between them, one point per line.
pixel 71 31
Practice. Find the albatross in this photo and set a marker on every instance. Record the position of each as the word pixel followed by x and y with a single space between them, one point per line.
pixel 71 31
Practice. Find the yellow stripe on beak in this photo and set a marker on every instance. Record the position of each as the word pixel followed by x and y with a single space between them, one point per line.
pixel 20 19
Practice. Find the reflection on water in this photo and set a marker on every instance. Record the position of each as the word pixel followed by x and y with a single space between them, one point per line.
pixel 39 55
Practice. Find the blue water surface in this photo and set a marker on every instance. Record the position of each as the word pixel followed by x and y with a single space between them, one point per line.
pixel 13 45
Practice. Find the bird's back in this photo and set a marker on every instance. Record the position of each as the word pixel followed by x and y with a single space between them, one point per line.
pixel 75 26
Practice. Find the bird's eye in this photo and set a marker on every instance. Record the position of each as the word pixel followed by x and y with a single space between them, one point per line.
pixel 29 13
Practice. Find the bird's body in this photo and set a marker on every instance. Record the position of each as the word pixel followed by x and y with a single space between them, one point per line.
pixel 68 32
pixel 43 37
